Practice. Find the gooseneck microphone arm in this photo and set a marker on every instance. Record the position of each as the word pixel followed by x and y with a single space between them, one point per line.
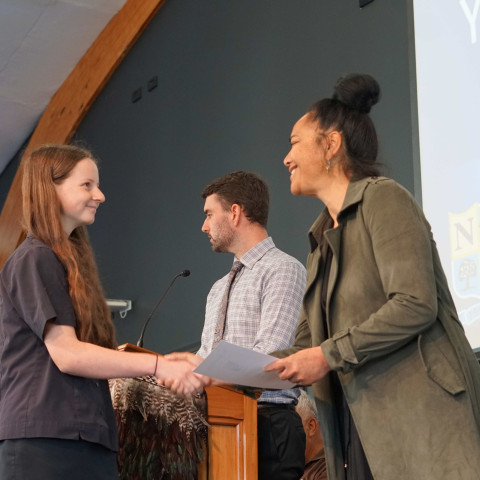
pixel 184 273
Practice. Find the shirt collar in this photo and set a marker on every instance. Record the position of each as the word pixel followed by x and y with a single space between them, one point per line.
pixel 318 456
pixel 250 258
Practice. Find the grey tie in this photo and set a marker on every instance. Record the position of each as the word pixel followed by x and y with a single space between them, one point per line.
pixel 222 312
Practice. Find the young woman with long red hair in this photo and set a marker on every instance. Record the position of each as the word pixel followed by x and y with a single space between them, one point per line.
pixel 57 341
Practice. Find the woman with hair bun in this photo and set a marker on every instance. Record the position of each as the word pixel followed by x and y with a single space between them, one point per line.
pixel 57 342
pixel 395 379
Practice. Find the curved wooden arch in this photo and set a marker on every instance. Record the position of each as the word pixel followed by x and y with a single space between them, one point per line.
pixel 71 102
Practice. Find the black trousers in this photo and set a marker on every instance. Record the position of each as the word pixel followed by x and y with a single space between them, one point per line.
pixel 281 443
pixel 356 464
pixel 56 459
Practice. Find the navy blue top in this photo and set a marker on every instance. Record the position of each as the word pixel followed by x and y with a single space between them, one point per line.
pixel 36 399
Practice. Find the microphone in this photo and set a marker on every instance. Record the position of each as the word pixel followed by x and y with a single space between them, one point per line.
pixel 183 273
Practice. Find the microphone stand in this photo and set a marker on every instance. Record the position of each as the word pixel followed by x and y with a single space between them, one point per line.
pixel 184 273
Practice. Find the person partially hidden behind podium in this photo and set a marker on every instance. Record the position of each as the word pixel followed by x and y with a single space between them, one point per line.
pixel 57 344
pixel 315 466
pixel 264 301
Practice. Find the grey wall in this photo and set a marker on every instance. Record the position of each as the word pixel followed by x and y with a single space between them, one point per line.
pixel 233 78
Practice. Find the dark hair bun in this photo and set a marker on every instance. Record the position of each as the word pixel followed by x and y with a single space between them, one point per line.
pixel 357 91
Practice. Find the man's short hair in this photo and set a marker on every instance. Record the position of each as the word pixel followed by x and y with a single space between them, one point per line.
pixel 246 189
pixel 306 406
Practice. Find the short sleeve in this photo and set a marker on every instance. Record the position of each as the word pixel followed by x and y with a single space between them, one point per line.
pixel 39 289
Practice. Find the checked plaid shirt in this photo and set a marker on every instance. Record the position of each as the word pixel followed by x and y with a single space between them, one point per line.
pixel 263 307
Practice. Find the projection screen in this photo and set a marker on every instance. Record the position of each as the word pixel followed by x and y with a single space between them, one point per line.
pixel 447 49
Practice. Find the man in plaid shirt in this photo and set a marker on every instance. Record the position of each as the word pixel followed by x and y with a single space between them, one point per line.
pixel 263 308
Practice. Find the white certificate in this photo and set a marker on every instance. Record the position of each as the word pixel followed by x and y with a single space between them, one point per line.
pixel 241 366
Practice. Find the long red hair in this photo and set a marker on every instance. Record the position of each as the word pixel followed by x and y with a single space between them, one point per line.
pixel 45 167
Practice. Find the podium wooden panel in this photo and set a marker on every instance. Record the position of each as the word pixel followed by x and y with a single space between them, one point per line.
pixel 232 435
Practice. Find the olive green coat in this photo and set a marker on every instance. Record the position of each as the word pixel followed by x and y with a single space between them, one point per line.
pixel 408 373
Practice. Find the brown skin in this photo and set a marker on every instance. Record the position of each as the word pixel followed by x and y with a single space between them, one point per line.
pixel 312 151
pixel 302 368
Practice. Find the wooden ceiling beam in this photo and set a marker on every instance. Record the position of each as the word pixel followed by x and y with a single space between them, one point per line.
pixel 71 102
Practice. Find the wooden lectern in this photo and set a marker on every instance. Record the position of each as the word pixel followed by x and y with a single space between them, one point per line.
pixel 232 433
pixel 232 436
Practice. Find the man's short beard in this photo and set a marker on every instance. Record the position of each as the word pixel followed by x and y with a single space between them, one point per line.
pixel 220 248
pixel 224 242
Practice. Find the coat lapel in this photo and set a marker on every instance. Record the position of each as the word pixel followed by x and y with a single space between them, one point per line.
pixel 333 236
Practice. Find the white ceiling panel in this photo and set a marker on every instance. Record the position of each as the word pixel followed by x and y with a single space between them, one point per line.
pixel 41 41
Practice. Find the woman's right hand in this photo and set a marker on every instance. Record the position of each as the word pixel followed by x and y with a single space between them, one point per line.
pixel 302 368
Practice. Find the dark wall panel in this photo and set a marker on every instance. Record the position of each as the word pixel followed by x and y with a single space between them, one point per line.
pixel 233 77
